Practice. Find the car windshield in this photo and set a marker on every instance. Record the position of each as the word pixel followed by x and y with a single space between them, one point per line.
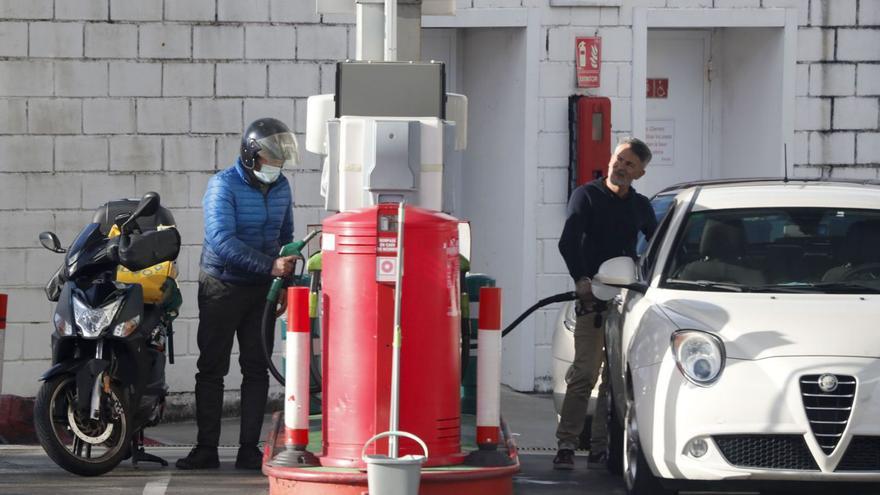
pixel 828 250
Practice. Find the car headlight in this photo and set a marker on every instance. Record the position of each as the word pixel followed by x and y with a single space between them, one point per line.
pixel 700 356
pixel 62 326
pixel 125 328
pixel 92 321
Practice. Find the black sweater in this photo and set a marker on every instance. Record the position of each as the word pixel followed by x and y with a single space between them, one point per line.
pixel 600 226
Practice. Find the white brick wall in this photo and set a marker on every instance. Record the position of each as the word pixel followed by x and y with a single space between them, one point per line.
pixel 111 40
pixel 107 98
pixel 218 42
pixel 13 39
pixel 81 9
pixel 858 44
pixel 81 78
pixel 832 79
pixel 832 12
pixel 855 113
pixel 51 39
pixel 191 10
pixel 832 148
pixel 141 10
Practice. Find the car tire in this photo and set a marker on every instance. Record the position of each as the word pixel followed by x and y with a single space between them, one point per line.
pixel 614 460
pixel 637 475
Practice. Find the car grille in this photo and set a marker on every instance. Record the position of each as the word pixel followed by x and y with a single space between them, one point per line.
pixel 863 454
pixel 766 451
pixel 828 412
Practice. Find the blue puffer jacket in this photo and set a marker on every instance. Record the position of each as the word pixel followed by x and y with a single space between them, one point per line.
pixel 244 228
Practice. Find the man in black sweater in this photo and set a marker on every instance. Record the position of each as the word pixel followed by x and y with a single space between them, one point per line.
pixel 603 220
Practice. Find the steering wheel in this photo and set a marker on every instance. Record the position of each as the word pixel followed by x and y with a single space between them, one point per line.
pixel 867 271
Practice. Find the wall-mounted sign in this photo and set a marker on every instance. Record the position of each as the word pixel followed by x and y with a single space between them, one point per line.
pixel 588 61
pixel 660 137
pixel 658 88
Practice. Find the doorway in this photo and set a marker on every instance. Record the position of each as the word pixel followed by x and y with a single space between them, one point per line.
pixel 719 97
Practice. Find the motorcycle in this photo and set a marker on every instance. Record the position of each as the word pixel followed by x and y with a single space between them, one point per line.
pixel 116 298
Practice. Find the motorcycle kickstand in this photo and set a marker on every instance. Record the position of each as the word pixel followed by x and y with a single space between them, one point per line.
pixel 139 455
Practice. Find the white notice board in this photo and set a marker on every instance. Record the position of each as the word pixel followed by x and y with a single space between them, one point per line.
pixel 660 136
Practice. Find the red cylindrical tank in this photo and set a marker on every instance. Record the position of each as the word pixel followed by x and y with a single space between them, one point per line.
pixel 359 251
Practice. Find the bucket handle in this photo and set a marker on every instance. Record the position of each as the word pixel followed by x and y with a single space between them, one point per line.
pixel 393 434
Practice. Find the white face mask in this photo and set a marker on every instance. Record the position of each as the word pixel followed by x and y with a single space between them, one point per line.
pixel 268 174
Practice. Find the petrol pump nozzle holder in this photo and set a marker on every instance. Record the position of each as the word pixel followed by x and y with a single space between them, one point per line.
pixel 291 249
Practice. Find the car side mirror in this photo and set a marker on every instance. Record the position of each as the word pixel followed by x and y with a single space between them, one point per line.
pixel 148 205
pixel 50 241
pixel 613 275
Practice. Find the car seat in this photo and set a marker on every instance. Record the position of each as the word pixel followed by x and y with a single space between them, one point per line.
pixel 722 245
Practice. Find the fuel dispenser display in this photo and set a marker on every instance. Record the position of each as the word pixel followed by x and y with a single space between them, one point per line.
pixel 589 126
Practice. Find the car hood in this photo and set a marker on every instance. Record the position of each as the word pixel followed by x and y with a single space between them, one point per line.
pixel 757 326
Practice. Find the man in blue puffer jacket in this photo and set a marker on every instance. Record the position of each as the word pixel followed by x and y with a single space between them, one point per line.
pixel 248 217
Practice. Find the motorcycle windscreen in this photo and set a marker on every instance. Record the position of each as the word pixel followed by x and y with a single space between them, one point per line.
pixel 139 251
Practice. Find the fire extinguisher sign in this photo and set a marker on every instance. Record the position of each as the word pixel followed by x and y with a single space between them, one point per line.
pixel 588 61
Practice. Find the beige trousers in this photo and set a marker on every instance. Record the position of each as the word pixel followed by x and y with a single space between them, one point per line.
pixel 589 357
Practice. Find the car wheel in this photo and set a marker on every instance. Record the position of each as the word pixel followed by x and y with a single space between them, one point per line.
pixel 614 461
pixel 637 475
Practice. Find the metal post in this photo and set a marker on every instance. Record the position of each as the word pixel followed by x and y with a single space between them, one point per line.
pixel 395 356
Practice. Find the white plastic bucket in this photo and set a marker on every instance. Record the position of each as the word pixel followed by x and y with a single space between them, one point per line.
pixel 389 476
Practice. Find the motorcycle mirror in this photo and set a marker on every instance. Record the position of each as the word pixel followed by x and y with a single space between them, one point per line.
pixel 148 206
pixel 50 241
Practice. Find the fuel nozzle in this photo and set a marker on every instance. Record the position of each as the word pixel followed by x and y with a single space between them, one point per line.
pixel 291 249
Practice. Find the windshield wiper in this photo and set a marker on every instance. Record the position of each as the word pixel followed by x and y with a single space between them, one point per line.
pixel 705 284
pixel 846 287
pixel 821 287
pixel 800 288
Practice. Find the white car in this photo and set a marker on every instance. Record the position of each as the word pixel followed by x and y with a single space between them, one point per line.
pixel 744 347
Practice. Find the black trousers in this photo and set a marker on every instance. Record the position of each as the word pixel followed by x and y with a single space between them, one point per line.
pixel 224 311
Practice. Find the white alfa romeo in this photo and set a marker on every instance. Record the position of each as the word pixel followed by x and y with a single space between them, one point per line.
pixel 744 347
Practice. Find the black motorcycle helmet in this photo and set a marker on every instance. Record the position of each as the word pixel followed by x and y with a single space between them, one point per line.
pixel 271 139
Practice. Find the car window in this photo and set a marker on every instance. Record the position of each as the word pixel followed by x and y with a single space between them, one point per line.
pixel 660 204
pixel 647 262
pixel 778 250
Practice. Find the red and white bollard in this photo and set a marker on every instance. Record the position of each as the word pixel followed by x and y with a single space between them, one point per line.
pixel 489 382
pixel 296 382
pixel 489 369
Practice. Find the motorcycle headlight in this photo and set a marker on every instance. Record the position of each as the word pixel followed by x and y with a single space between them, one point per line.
pixel 125 328
pixel 700 356
pixel 62 326
pixel 92 321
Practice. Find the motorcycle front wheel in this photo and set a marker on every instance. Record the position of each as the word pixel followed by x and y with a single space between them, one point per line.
pixel 74 441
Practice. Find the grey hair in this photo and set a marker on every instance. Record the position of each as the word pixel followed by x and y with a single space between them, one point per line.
pixel 639 147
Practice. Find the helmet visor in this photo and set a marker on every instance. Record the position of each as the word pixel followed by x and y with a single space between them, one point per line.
pixel 279 149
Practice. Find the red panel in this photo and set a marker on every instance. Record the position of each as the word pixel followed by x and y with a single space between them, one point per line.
pixel 3 301
pixel 298 309
pixel 594 138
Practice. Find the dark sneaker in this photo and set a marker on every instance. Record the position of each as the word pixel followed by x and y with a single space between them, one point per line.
pixel 200 458
pixel 564 459
pixel 249 458
pixel 599 460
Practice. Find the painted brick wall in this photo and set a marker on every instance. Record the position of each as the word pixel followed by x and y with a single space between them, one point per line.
pixel 837 128
pixel 109 98
pixel 102 99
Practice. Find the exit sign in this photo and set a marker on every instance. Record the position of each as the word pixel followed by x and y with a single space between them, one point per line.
pixel 658 88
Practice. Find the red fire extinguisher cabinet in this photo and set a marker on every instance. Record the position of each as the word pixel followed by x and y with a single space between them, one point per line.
pixel 359 249
pixel 590 138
